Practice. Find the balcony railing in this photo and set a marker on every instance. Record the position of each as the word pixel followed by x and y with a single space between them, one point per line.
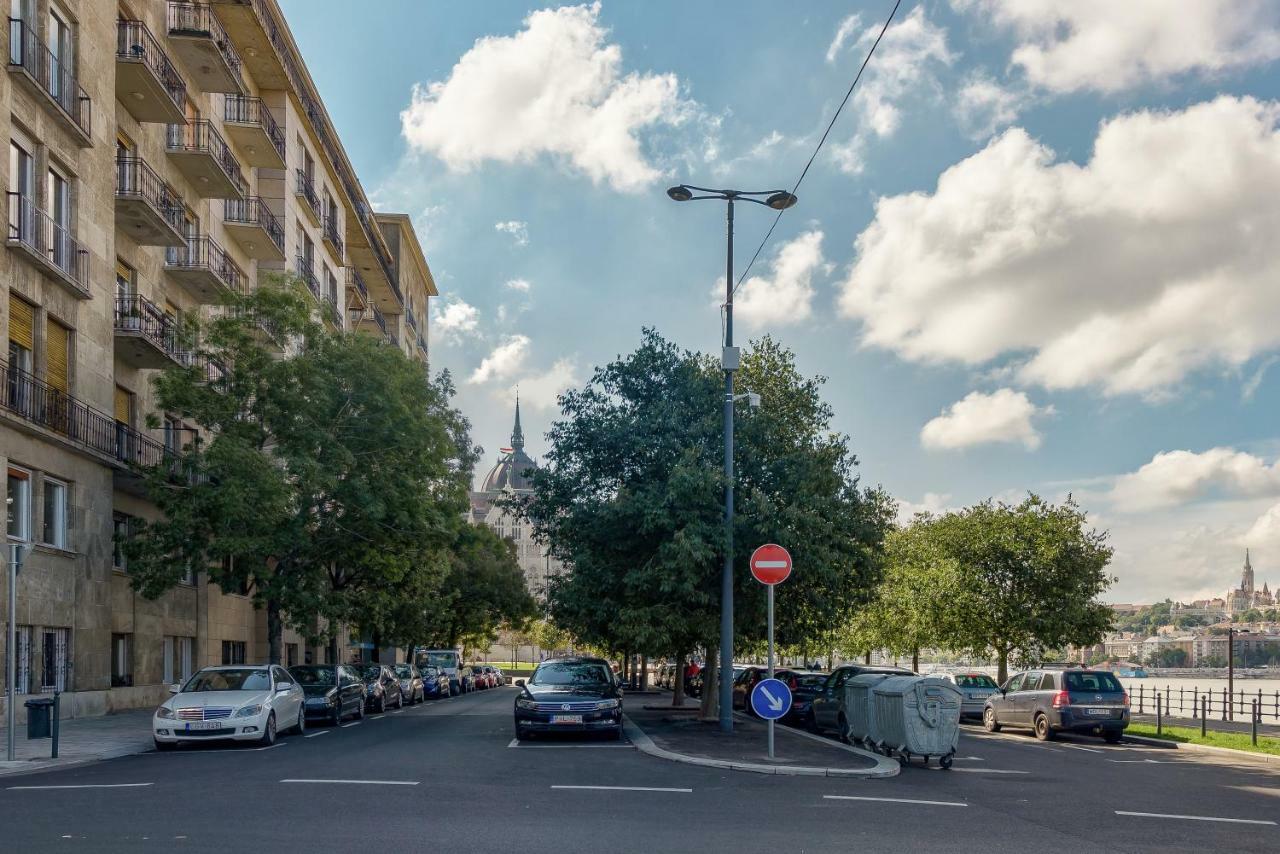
pixel 306 271
pixel 201 137
pixel 333 235
pixel 50 241
pixel 140 315
pixel 380 320
pixel 135 42
pixel 136 179
pixel 306 189
pixel 253 210
pixel 210 369
pixel 356 282
pixel 202 253
pixel 51 74
pixel 26 397
pixel 198 19
pixel 246 110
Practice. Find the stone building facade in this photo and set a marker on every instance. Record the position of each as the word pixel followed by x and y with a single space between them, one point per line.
pixel 161 155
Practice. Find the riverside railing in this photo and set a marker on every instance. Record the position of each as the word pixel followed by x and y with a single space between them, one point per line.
pixel 1195 702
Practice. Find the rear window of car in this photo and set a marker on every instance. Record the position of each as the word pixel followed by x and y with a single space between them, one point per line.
pixel 403 671
pixel 811 681
pixel 975 680
pixel 1098 682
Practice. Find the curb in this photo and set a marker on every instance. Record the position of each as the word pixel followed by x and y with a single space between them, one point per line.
pixel 883 768
pixel 1267 758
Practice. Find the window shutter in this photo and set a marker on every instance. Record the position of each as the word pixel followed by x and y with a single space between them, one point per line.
pixel 124 406
pixel 58 341
pixel 22 321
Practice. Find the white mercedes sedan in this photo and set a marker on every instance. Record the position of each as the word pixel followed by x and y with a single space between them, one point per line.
pixel 236 702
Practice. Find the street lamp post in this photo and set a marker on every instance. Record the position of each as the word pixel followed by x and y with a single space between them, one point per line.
pixel 779 200
pixel 1231 669
pixel 17 554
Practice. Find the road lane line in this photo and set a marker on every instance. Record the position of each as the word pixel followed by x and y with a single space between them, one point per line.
pixel 353 723
pixel 86 786
pixel 985 771
pixel 270 746
pixel 1195 817
pixel 1082 747
pixel 397 711
pixel 894 800
pixel 357 782
pixel 626 788
pixel 314 734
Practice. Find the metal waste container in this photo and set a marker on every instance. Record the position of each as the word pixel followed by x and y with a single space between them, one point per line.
pixel 859 709
pixel 39 716
pixel 918 716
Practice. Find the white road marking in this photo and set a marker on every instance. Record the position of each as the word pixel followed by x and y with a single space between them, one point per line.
pixel 358 782
pixel 625 788
pixel 1142 761
pixel 1082 747
pixel 986 771
pixel 397 711
pixel 1195 817
pixel 86 786
pixel 515 743
pixel 353 723
pixel 895 800
pixel 970 758
pixel 270 746
pixel 318 732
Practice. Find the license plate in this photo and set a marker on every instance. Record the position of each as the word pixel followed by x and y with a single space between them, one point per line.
pixel 204 725
pixel 1099 713
pixel 566 719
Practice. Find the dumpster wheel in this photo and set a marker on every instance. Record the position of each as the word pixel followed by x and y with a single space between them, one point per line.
pixel 945 762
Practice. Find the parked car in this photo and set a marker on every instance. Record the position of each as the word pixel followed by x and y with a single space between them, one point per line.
pixel 435 682
pixel 1053 700
pixel 483 678
pixel 576 694
pixel 382 688
pixel 975 688
pixel 498 675
pixel 744 683
pixel 827 707
pixel 449 660
pixel 326 701
pixel 466 679
pixel 804 685
pixel 240 703
pixel 410 683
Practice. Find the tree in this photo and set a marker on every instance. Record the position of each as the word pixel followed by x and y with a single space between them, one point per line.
pixel 1170 656
pixel 328 483
pixel 1031 576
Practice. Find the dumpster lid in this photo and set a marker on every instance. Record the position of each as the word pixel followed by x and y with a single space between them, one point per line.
pixel 40 701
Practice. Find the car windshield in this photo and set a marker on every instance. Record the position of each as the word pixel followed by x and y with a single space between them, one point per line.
pixel 371 671
pixel 441 659
pixel 1098 682
pixel 811 681
pixel 570 673
pixel 403 671
pixel 318 675
pixel 242 679
pixel 975 680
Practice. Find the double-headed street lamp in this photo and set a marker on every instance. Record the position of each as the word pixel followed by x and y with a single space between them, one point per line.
pixel 779 200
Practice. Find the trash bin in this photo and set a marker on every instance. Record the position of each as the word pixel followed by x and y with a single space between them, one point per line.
pixel 39 715
pixel 859 709
pixel 918 716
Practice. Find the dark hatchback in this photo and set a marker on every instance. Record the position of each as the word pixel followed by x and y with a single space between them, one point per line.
pixel 324 701
pixel 1049 701
pixel 804 685
pixel 576 694
pixel 435 682
pixel 382 688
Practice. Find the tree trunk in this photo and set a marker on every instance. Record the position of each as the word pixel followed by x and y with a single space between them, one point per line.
pixel 867 658
pixel 333 649
pixel 915 659
pixel 711 687
pixel 1002 670
pixel 275 631
pixel 677 695
pixel 644 673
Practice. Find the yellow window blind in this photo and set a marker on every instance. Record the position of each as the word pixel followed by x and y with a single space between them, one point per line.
pixel 58 343
pixel 22 321
pixel 124 405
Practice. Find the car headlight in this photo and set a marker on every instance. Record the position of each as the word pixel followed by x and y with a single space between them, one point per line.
pixel 608 704
pixel 250 711
pixel 526 703
pixel 164 712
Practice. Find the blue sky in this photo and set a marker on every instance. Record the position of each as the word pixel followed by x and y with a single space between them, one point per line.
pixel 1005 295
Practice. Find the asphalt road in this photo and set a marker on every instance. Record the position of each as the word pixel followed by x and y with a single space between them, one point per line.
pixel 445 776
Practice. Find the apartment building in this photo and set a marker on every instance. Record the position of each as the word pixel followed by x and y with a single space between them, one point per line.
pixel 161 156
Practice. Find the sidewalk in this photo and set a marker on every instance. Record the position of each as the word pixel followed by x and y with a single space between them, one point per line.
pixel 678 735
pixel 80 740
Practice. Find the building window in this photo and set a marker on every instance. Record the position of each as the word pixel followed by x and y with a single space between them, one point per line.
pixel 188 576
pixel 23 678
pixel 55 655
pixel 18 505
pixel 121 661
pixel 54 532
pixel 233 652
pixel 22 321
pixel 122 530
pixel 178 655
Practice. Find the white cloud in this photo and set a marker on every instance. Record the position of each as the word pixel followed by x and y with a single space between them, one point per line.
pixel 518 230
pixel 1107 46
pixel 539 391
pixel 453 319
pixel 1178 477
pixel 979 418
pixel 522 285
pixel 933 503
pixel 555 88
pixel 786 297
pixel 504 362
pixel 1127 272
pixel 846 29
pixel 983 106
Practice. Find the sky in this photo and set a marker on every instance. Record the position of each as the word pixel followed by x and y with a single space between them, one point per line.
pixel 1037 253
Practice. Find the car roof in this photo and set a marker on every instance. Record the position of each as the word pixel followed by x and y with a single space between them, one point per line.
pixel 237 667
pixel 574 659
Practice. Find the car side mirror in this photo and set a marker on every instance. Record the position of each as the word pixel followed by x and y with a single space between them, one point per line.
pixel 175 688
pixel 518 682
pixel 280 689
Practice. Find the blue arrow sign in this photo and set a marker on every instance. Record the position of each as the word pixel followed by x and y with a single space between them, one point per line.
pixel 771 699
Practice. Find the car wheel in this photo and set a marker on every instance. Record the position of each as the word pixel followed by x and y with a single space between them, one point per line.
pixel 989 722
pixel 360 711
pixel 301 726
pixel 163 746
pixel 269 731
pixel 400 701
pixel 1044 732
pixel 382 704
pixel 336 717
pixel 1112 736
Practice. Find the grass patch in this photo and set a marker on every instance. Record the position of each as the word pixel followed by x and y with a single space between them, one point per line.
pixel 1187 735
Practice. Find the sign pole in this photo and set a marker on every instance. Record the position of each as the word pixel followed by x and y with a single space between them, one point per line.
pixel 770 589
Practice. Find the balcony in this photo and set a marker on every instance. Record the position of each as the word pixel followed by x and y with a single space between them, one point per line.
pixel 209 371
pixel 305 190
pixel 254 131
pixel 357 291
pixel 48 243
pixel 50 80
pixel 147 208
pixel 305 270
pixel 147 82
pixel 205 270
pixel 201 42
pixel 333 237
pixel 202 155
pixel 252 224
pixel 146 337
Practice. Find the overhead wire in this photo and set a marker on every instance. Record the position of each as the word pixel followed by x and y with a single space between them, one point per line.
pixel 818 147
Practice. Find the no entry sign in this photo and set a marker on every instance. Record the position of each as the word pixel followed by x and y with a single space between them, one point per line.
pixel 771 564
